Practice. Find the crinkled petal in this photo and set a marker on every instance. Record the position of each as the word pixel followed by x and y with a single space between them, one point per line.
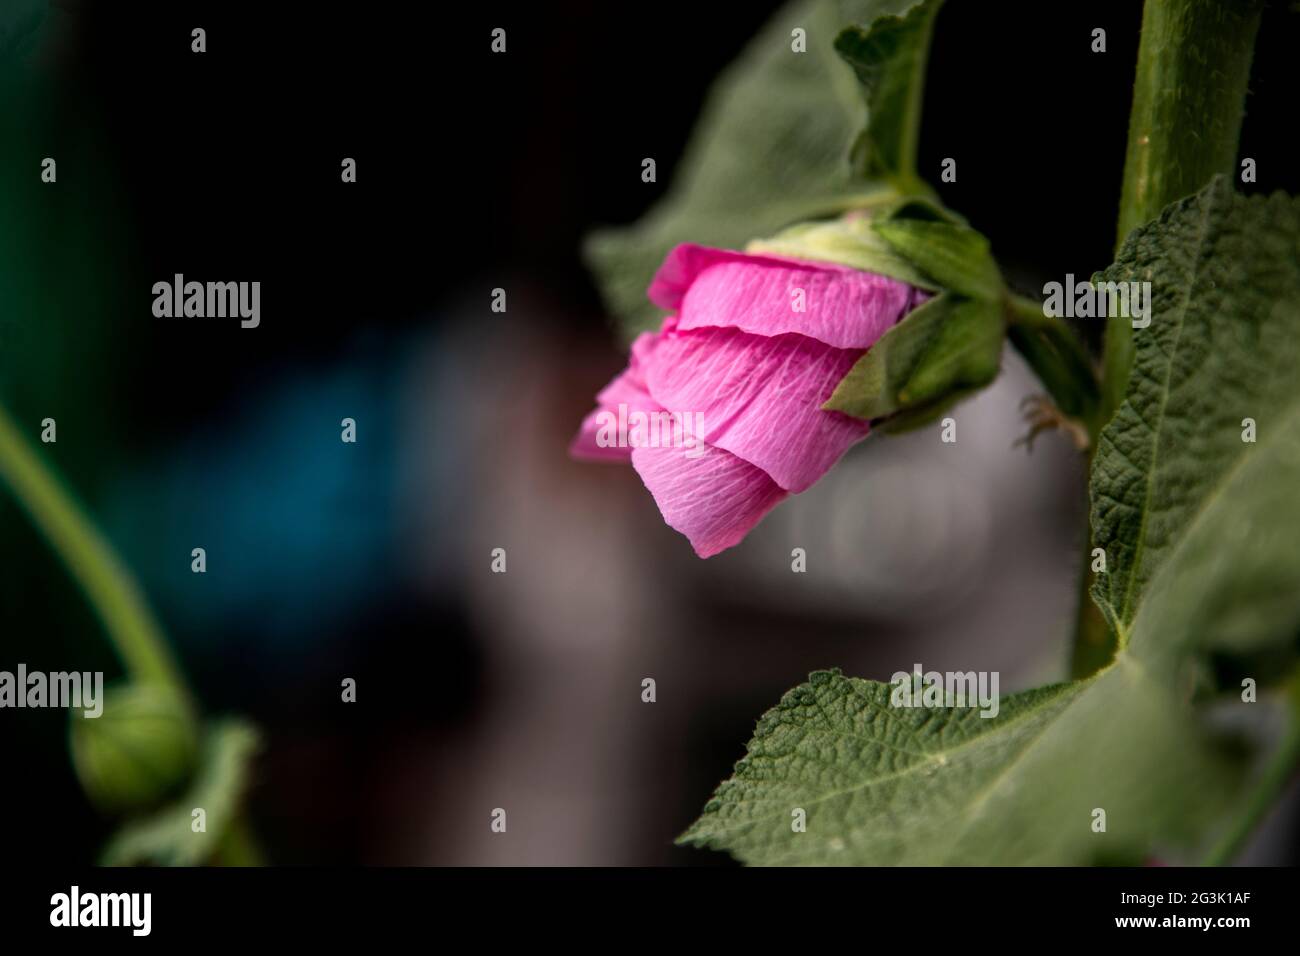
pixel 586 446
pixel 760 397
pixel 714 498
pixel 627 388
pixel 772 295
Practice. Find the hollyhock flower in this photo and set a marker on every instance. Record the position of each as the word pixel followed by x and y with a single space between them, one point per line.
pixel 720 411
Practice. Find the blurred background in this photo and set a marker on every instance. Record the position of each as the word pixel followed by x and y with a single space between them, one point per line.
pixel 372 560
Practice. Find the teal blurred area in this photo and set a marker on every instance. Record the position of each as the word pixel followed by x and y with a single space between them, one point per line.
pixel 297 527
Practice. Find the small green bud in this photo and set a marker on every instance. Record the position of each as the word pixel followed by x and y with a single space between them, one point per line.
pixel 139 751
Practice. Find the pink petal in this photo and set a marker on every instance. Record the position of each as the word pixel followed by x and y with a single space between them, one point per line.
pixel 843 307
pixel 585 446
pixel 626 388
pixel 714 499
pixel 760 397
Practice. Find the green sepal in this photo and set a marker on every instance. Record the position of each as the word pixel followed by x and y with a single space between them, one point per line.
pixel 922 416
pixel 951 255
pixel 848 241
pixel 938 354
pixel 169 836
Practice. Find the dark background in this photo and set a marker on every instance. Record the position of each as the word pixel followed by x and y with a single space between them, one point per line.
pixel 328 560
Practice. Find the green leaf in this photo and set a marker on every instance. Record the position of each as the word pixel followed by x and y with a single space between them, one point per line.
pixel 889 56
pixel 769 150
pixel 166 838
pixel 944 349
pixel 1199 526
pixel 884 785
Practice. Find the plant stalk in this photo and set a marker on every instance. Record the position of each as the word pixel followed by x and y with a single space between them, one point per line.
pixel 1189 97
pixel 107 584
pixel 1059 359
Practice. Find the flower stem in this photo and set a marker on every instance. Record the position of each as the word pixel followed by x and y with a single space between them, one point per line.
pixel 1058 358
pixel 112 592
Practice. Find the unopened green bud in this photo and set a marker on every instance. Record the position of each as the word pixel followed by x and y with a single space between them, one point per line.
pixel 139 751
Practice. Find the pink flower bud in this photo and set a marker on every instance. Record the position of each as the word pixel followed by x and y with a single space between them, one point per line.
pixel 720 410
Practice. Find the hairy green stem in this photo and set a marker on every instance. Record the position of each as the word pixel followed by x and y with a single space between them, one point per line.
pixel 112 592
pixel 1189 97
